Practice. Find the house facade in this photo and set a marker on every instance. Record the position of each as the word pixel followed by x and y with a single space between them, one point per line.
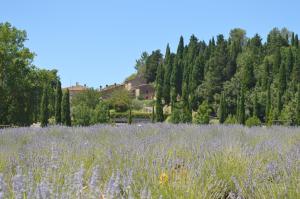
pixel 138 87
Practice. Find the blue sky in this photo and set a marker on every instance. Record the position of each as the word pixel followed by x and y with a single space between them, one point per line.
pixel 96 42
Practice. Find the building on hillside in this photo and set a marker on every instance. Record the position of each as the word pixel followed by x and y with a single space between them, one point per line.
pixel 109 89
pixel 138 87
pixel 73 90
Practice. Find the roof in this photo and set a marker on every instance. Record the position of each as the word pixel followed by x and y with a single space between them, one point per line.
pixel 77 88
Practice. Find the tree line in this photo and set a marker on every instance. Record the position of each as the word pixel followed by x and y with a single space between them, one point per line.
pixel 27 94
pixel 235 80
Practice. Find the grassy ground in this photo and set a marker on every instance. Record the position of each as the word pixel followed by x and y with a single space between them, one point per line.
pixel 150 161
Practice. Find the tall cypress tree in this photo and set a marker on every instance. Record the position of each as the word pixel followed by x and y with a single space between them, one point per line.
pixel 65 109
pixel 130 116
pixel 197 77
pixel 222 109
pixel 266 74
pixel 167 76
pixel 44 108
pixel 282 79
pixel 173 83
pixel 268 105
pixel 58 99
pixel 296 41
pixel 153 115
pixel 242 117
pixel 255 106
pixel 293 39
pixel 159 87
pixel 289 64
pixel 298 107
pixel 180 66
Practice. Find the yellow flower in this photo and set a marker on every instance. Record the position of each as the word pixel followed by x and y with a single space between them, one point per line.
pixel 163 179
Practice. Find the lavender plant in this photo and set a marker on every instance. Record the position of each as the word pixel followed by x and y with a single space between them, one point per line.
pixel 150 161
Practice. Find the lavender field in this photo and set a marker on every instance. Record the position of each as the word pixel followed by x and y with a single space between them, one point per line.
pixel 150 161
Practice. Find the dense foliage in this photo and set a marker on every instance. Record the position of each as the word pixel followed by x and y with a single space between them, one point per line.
pixel 21 83
pixel 237 76
pixel 150 161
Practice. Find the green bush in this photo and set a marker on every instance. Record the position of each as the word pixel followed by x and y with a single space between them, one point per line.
pixel 135 114
pixel 231 119
pixel 202 115
pixel 253 121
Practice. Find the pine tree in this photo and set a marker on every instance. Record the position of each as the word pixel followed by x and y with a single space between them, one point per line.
pixel 58 99
pixel 159 87
pixel 65 109
pixel 222 109
pixel 44 107
pixel 167 76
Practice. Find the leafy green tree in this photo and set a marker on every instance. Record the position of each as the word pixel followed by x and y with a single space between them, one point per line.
pixel 120 100
pixel 202 115
pixel 90 97
pixel 44 108
pixel 65 109
pixel 140 65
pixel 58 99
pixel 82 115
pixel 101 113
pixel 222 109
pixel 152 63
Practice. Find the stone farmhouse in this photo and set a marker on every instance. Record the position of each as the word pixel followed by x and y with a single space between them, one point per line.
pixel 138 87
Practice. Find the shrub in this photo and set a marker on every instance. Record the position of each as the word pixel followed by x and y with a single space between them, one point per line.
pixel 202 115
pixel 231 119
pixel 253 121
